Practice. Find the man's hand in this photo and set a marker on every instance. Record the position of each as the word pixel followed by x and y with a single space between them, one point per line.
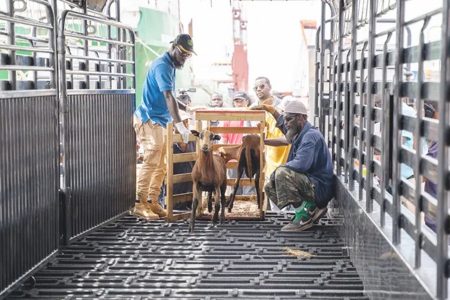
pixel 183 131
pixel 266 107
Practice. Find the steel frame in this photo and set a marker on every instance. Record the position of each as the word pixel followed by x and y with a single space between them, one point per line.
pixel 374 54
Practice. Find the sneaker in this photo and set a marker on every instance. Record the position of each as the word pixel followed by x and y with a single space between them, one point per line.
pixel 303 217
pixel 157 209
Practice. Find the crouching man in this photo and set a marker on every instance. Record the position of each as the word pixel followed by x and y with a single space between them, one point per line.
pixel 306 180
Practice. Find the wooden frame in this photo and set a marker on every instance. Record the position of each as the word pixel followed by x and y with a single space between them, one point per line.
pixel 171 179
pixel 212 115
pixel 234 115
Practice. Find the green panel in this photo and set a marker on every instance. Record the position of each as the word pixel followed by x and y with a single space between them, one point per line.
pixel 3 75
pixel 155 30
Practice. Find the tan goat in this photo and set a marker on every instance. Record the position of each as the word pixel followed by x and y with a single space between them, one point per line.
pixel 208 174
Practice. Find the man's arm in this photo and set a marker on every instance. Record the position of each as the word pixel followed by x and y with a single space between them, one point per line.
pixel 172 105
pixel 278 117
pixel 281 141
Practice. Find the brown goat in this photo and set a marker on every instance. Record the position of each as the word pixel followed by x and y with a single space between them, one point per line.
pixel 249 161
pixel 208 174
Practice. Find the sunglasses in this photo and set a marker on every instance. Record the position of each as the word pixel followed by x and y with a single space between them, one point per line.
pixel 261 87
pixel 184 53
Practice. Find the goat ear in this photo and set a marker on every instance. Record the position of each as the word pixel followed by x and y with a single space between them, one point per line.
pixel 195 132
pixel 216 137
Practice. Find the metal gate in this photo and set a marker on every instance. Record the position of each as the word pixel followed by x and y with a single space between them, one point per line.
pixel 29 218
pixel 67 145
pixel 383 70
pixel 97 107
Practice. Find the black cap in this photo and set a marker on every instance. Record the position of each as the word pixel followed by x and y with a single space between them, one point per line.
pixel 241 95
pixel 185 42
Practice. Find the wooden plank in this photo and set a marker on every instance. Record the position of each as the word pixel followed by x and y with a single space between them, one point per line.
pixel 169 171
pixel 244 130
pixel 182 197
pixel 179 178
pixel 234 115
pixel 176 138
pixel 178 216
pixel 184 157
pixel 242 182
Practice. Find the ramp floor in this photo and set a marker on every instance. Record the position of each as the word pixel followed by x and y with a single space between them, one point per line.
pixel 132 258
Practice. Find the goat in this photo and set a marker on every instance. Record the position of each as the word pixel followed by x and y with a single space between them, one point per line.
pixel 208 174
pixel 248 160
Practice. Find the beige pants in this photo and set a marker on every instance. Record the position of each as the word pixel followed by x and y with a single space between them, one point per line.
pixel 152 138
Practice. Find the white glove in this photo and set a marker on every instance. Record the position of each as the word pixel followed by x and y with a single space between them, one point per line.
pixel 183 131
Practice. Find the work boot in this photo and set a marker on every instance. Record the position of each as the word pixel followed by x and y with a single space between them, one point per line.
pixel 157 208
pixel 142 210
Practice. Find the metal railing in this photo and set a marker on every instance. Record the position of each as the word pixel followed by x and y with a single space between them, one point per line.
pixel 380 85
pixel 67 150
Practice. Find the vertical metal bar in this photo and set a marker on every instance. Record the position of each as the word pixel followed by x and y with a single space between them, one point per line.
pixel 397 118
pixel 443 174
pixel 346 115
pixel 339 83
pixel 332 108
pixel 12 41
pixel 418 140
pixel 322 71
pixel 86 47
pixel 361 121
pixel 316 86
pixel 352 95
pixel 369 111
pixel 385 125
pixel 331 77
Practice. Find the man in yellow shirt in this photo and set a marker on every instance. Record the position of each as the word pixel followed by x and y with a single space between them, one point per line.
pixel 275 156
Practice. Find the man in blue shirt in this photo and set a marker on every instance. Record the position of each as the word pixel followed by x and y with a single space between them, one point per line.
pixel 158 108
pixel 306 180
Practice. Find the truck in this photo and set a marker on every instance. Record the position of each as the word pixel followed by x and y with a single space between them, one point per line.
pixel 68 166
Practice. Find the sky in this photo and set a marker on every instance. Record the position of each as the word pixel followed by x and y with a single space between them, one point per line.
pixel 273 38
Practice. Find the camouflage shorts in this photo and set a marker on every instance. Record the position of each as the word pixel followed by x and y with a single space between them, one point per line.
pixel 289 187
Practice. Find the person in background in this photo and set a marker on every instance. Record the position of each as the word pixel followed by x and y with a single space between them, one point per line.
pixel 240 100
pixel 216 102
pixel 305 181
pixel 158 108
pixel 274 156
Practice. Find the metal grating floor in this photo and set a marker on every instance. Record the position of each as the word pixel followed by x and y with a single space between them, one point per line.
pixel 135 259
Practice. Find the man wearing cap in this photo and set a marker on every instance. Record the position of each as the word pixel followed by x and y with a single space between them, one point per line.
pixel 306 180
pixel 158 108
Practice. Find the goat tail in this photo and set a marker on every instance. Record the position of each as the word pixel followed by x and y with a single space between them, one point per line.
pixel 248 165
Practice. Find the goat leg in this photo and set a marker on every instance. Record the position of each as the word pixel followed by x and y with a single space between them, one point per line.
pixel 222 202
pixel 195 194
pixel 209 202
pixel 258 195
pixel 236 186
pixel 216 205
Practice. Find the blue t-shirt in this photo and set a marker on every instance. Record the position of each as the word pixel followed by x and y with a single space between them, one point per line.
pixel 160 78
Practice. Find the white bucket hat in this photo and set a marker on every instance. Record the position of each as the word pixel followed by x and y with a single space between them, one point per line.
pixel 295 107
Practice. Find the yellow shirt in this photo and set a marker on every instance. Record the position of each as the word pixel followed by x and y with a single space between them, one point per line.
pixel 275 156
